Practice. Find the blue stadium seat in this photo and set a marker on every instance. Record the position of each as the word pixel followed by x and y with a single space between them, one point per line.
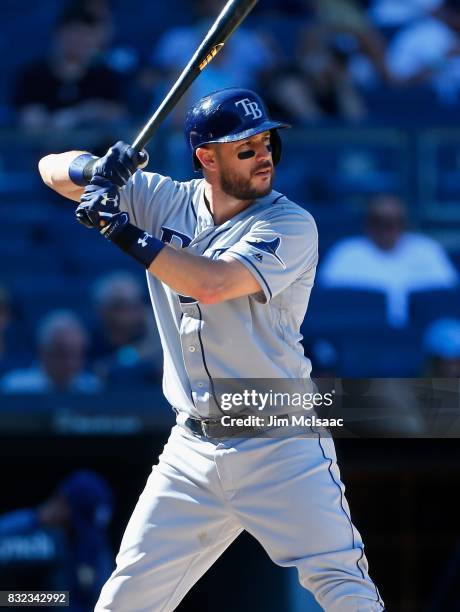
pixel 426 306
pixel 37 295
pixel 334 222
pixel 455 258
pixel 442 151
pixel 396 104
pixel 20 258
pixel 380 353
pixel 333 312
pixel 88 254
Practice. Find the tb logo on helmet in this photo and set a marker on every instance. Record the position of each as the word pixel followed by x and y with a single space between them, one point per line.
pixel 250 108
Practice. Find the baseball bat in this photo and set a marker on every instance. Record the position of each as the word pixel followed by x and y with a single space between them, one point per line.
pixel 233 13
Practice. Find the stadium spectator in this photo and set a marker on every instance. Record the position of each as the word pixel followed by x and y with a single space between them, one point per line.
pixel 70 87
pixel 442 347
pixel 320 86
pixel 348 20
pixel 389 258
pixel 122 58
pixel 125 342
pixel 337 49
pixel 427 50
pixel 62 346
pixel 62 544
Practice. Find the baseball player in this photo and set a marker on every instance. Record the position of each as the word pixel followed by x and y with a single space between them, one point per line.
pixel 230 265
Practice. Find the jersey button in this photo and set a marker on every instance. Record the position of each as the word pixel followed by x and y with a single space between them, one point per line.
pixel 200 385
pixel 192 349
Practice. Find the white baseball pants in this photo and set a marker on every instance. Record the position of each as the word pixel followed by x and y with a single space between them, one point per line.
pixel 286 492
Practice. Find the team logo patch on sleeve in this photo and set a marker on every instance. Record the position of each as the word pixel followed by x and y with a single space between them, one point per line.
pixel 268 246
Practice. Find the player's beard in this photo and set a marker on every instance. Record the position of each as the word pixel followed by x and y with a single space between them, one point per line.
pixel 240 188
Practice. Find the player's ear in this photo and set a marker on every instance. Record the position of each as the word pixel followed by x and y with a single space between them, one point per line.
pixel 207 157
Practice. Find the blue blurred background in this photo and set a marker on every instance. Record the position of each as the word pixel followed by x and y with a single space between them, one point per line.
pixel 372 90
pixel 372 93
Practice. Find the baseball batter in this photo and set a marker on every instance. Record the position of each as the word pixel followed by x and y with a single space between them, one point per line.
pixel 230 265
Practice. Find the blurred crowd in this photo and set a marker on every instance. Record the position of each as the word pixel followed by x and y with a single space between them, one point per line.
pixel 392 260
pixel 315 62
pixel 312 60
pixel 119 346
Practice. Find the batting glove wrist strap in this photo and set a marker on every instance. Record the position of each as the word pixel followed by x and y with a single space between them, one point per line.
pixel 81 169
pixel 120 162
pixel 139 244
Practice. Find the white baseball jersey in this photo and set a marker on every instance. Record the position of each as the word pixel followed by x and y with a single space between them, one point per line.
pixel 254 336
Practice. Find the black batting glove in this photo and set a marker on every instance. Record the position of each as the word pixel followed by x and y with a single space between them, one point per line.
pixel 99 203
pixel 119 163
pixel 100 208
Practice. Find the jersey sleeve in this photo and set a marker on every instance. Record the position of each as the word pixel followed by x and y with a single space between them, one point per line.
pixel 151 198
pixel 278 250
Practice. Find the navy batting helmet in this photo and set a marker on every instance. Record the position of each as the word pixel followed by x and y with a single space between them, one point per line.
pixel 229 115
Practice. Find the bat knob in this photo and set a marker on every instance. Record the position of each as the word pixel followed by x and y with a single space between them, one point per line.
pixel 142 159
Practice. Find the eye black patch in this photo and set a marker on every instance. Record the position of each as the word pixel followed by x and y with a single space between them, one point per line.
pixel 246 154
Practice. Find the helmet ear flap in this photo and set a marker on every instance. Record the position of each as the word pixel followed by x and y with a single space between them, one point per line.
pixel 275 141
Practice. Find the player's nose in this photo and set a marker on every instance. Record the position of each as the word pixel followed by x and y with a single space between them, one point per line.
pixel 263 151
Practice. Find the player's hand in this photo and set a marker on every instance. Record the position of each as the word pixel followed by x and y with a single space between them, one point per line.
pixel 99 203
pixel 119 163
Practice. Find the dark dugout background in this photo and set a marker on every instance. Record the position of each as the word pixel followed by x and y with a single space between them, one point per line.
pixel 401 493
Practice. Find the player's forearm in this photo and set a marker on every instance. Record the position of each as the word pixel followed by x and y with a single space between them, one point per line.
pixel 206 280
pixel 191 275
pixel 54 170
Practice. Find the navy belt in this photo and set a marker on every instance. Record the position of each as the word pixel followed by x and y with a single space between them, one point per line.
pixel 207 428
